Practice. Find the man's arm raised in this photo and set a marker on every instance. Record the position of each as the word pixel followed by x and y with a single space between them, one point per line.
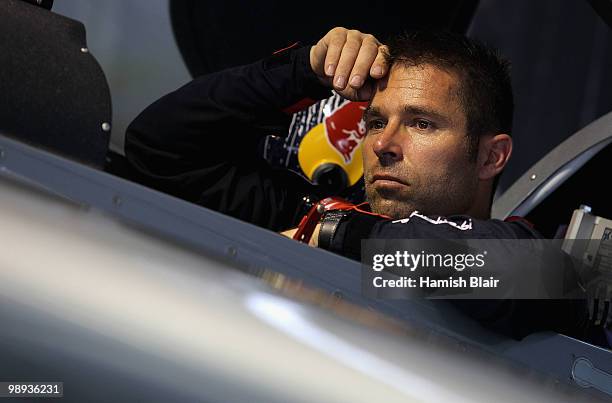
pixel 200 142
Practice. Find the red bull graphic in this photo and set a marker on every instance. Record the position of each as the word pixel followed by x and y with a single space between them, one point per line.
pixel 345 128
pixel 327 133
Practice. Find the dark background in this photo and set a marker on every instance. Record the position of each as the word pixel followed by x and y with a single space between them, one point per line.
pixel 561 53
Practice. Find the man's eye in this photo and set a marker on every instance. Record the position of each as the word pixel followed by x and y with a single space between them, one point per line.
pixel 376 125
pixel 423 124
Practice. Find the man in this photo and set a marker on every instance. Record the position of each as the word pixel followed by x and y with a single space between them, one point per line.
pixel 437 137
pixel 436 126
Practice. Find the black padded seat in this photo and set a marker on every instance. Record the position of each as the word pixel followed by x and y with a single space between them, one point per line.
pixel 54 95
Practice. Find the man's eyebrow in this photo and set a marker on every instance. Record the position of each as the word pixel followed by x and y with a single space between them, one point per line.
pixel 374 112
pixel 371 111
pixel 419 110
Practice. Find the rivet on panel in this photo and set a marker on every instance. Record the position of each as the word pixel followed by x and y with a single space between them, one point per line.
pixel 106 126
pixel 532 177
pixel 84 50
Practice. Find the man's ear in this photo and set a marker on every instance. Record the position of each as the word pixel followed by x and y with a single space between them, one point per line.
pixel 493 155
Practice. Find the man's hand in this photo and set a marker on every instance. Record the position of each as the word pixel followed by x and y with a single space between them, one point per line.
pixel 346 59
pixel 314 240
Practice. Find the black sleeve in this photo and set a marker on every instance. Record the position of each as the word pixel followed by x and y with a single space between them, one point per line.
pixel 512 317
pixel 201 142
pixel 352 230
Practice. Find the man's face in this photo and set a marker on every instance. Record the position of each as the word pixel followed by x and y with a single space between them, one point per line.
pixel 415 153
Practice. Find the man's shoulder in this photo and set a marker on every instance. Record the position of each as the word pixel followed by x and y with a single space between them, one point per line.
pixel 462 226
pixel 511 228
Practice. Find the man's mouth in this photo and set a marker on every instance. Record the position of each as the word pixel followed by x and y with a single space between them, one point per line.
pixel 384 179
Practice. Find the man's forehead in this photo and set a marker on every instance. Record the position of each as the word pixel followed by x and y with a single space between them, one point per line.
pixel 422 84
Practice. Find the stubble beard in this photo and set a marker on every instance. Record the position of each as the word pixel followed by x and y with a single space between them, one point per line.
pixel 445 198
pixel 390 207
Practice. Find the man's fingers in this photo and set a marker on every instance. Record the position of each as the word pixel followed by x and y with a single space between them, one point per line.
pixel 347 59
pixel 317 58
pixel 363 63
pixel 379 67
pixel 334 40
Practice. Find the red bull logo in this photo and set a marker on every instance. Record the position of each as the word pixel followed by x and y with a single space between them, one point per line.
pixel 345 128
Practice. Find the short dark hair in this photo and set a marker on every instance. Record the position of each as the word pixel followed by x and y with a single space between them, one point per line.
pixel 484 75
pixel 485 87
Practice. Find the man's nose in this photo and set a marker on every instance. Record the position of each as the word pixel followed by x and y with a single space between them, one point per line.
pixel 388 147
